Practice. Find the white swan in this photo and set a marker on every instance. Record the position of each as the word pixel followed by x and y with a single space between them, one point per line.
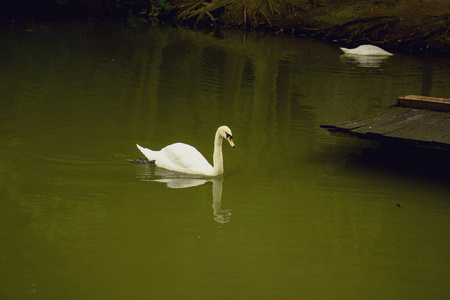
pixel 184 158
pixel 366 50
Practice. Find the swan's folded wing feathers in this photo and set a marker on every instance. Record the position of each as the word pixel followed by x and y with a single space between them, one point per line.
pixel 149 154
pixel 184 158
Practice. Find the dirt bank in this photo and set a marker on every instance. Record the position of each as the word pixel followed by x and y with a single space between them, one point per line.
pixel 420 26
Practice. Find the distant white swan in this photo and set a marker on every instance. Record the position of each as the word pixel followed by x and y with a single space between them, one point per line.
pixel 184 158
pixel 366 50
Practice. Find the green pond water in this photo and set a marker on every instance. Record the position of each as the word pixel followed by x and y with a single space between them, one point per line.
pixel 298 214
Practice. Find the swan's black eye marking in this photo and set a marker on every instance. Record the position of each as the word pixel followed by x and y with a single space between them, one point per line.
pixel 228 135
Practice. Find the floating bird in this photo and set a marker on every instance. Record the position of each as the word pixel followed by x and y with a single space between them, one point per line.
pixel 367 50
pixel 184 158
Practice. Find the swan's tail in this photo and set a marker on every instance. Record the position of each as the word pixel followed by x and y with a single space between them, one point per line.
pixel 150 154
pixel 346 50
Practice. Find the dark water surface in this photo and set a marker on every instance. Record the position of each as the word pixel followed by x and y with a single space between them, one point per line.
pixel 298 214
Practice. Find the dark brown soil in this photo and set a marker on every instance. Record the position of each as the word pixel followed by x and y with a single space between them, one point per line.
pixel 404 25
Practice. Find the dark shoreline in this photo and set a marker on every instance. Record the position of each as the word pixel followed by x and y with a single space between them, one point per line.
pixel 409 26
pixel 420 26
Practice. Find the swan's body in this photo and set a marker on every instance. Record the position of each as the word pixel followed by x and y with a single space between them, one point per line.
pixel 184 158
pixel 366 50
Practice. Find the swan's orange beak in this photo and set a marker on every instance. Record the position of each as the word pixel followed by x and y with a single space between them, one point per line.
pixel 230 140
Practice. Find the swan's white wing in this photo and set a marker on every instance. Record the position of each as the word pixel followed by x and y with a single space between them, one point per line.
pixel 367 50
pixel 372 50
pixel 184 158
pixel 149 154
pixel 345 50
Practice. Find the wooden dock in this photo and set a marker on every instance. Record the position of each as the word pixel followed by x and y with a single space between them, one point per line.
pixel 415 120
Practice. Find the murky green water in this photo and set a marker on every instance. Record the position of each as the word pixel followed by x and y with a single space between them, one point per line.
pixel 298 214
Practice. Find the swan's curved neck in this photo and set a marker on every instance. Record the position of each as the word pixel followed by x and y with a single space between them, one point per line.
pixel 217 156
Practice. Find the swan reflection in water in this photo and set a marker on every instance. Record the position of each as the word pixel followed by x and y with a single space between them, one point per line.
pixel 365 61
pixel 180 181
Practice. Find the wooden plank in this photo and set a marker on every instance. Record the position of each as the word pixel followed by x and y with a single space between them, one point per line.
pixel 433 103
pixel 429 126
pixel 435 118
pixel 407 123
pixel 444 128
pixel 420 131
pixel 396 122
pixel 445 139
pixel 354 124
pixel 437 143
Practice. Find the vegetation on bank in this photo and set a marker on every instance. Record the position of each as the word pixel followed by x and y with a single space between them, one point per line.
pixel 403 25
